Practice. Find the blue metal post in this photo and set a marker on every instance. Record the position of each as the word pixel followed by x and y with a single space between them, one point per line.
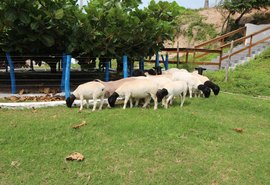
pixel 166 62
pixel 125 66
pixel 64 58
pixel 12 74
pixel 157 59
pixel 67 76
pixel 141 64
pixel 107 65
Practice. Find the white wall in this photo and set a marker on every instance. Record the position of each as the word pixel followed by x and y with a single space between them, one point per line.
pixel 251 28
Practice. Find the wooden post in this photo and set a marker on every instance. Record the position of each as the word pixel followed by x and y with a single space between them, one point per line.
pixel 249 47
pixel 187 56
pixel 178 58
pixel 229 61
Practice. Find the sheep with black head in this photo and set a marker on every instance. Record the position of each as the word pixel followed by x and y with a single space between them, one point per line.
pixel 90 90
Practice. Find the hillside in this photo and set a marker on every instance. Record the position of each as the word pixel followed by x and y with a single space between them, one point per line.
pixel 214 17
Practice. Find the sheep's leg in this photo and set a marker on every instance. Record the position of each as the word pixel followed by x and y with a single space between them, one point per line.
pixel 130 102
pixel 101 102
pixel 146 101
pixel 164 102
pixel 182 99
pixel 154 97
pixel 81 103
pixel 168 100
pixel 171 101
pixel 95 103
pixel 190 92
pixel 127 96
pixel 137 102
pixel 87 103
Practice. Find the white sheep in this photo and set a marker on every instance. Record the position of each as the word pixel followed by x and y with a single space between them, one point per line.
pixel 139 88
pixel 205 80
pixel 193 82
pixel 172 89
pixel 90 90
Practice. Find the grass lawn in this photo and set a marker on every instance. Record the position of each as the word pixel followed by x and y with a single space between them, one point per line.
pixel 195 144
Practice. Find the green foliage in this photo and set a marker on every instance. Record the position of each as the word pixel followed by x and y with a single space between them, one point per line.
pixel 104 28
pixel 38 27
pixel 250 79
pixel 113 29
pixel 240 6
pixel 193 27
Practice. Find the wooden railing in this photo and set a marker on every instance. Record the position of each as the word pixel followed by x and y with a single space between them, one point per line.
pixel 249 46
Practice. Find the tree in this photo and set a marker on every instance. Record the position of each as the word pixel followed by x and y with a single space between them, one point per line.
pixel 40 27
pixel 111 29
pixel 242 7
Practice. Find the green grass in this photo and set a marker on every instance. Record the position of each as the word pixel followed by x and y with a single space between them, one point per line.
pixel 251 79
pixel 195 144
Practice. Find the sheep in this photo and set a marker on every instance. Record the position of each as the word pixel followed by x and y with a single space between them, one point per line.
pixel 139 88
pixel 174 70
pixel 88 91
pixel 205 80
pixel 193 83
pixel 172 89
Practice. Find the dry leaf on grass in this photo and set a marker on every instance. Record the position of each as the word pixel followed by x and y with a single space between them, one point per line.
pixel 240 130
pixel 15 164
pixel 75 156
pixel 80 125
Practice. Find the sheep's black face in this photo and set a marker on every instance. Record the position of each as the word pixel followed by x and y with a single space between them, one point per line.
pixel 158 70
pixel 213 86
pixel 152 72
pixel 161 94
pixel 112 99
pixel 206 90
pixel 70 100
pixel 200 70
pixel 138 72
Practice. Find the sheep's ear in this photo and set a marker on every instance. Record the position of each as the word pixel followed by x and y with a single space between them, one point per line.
pixel 206 90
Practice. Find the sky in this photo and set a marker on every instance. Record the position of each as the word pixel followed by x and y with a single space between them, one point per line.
pixel 193 4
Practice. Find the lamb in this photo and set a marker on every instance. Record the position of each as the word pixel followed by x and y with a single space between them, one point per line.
pixel 205 80
pixel 139 88
pixel 88 91
pixel 172 89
